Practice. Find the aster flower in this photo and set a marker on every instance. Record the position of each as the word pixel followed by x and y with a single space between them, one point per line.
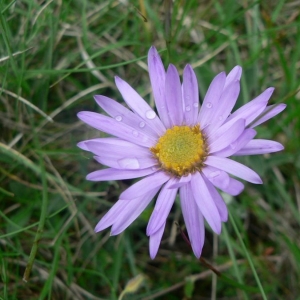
pixel 183 149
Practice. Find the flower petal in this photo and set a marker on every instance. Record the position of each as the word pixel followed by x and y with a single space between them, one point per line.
pixel 252 109
pixel 234 147
pixel 133 210
pixel 193 219
pixel 127 163
pixel 228 137
pixel 224 106
pixel 190 95
pixel 217 177
pixel 269 112
pixel 115 174
pixel 140 106
pixel 174 96
pixel 123 115
pixel 211 99
pixel 162 208
pixel 181 182
pixel 259 147
pixel 158 77
pixel 234 74
pixel 234 168
pixel 219 202
pixel 206 204
pixel 234 187
pixel 115 146
pixel 109 218
pixel 155 240
pixel 144 186
pixel 223 181
pixel 113 127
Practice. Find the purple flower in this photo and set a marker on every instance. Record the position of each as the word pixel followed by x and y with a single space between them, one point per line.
pixel 184 149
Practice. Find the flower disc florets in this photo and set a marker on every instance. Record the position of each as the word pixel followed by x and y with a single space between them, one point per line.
pixel 181 150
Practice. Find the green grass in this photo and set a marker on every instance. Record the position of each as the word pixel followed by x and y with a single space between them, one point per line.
pixel 54 56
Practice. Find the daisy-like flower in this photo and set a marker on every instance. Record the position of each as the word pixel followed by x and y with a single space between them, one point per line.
pixel 184 149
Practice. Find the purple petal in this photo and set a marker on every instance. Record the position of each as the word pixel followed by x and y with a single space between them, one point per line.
pixel 193 219
pixel 120 154
pixel 269 112
pixel 223 181
pixel 234 75
pixel 114 147
pixel 219 202
pixel 162 208
pixel 113 127
pixel 234 168
pixel 115 174
pixel 123 115
pixel 206 204
pixel 224 106
pixel 217 177
pixel 181 182
pixel 129 163
pixel 110 217
pixel 234 187
pixel 253 109
pixel 158 77
pixel 144 186
pixel 155 239
pixel 260 147
pixel 133 209
pixel 174 96
pixel 211 99
pixel 228 137
pixel 234 147
pixel 140 106
pixel 190 95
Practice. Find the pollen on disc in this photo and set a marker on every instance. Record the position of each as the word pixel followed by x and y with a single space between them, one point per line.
pixel 181 150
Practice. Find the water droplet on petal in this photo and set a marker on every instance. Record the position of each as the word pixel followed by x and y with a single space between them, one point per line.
pixel 118 118
pixel 196 104
pixel 188 108
pixel 220 117
pixel 150 114
pixel 209 105
pixel 142 124
pixel 135 133
pixel 129 163
pixel 233 145
pixel 214 174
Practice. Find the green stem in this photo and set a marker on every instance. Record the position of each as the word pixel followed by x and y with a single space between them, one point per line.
pixel 248 257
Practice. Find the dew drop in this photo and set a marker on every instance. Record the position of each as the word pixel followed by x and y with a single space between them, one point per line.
pixel 118 118
pixel 233 145
pixel 214 174
pixel 188 108
pixel 196 104
pixel 220 117
pixel 142 124
pixel 135 133
pixel 209 105
pixel 129 163
pixel 150 114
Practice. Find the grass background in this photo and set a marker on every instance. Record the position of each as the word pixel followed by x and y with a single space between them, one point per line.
pixel 54 56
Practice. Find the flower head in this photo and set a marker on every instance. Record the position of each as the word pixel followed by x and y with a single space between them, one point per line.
pixel 184 149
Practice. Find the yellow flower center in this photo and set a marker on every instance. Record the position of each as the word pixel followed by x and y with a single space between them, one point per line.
pixel 181 150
